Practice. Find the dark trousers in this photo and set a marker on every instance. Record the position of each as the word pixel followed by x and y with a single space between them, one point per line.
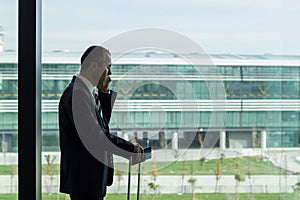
pixel 76 197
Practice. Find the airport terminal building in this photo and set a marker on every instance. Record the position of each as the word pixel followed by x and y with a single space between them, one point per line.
pixel 261 100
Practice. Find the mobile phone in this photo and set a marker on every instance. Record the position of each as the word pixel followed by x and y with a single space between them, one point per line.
pixel 148 152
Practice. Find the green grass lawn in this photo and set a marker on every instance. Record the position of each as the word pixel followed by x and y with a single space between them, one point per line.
pixel 13 169
pixel 229 166
pixel 246 165
pixel 206 196
pixel 199 196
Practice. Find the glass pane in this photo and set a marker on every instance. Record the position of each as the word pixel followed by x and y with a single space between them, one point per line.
pixel 8 100
pixel 167 103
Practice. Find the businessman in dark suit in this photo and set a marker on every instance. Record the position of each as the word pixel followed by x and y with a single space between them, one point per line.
pixel 85 141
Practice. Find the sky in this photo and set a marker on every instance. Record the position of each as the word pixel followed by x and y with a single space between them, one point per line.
pixel 218 26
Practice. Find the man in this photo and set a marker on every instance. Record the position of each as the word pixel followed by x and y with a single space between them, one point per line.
pixel 85 142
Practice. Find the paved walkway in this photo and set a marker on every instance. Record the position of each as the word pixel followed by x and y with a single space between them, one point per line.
pixel 177 184
pixel 288 160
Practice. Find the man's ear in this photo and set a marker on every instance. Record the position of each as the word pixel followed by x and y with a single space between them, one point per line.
pixel 93 65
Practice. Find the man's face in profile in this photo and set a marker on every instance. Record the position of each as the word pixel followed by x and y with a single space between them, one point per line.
pixel 104 80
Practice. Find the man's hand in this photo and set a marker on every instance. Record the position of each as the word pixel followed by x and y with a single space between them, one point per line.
pixel 103 83
pixel 139 152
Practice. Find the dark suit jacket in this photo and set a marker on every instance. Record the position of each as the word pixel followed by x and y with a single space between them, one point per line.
pixel 85 142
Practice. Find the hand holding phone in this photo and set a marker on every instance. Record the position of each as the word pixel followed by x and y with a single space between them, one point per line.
pixel 146 155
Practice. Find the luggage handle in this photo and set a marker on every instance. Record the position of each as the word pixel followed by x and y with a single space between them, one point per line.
pixel 129 180
pixel 147 152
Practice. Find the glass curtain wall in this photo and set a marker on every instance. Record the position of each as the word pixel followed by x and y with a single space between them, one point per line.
pixel 256 151
pixel 8 100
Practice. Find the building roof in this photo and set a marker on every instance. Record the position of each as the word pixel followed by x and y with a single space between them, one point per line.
pixel 158 58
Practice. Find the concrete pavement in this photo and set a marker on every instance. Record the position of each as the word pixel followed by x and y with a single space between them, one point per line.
pixel 176 184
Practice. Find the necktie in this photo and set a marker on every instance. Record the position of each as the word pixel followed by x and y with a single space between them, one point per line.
pixel 97 102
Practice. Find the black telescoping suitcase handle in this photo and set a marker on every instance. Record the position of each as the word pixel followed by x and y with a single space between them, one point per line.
pixel 147 152
pixel 129 180
pixel 129 174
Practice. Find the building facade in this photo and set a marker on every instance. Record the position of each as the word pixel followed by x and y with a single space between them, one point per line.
pixel 162 98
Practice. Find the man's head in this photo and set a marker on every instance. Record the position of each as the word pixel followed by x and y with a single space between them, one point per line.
pixel 95 62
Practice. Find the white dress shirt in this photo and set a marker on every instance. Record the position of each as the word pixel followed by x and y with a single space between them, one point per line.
pixel 88 84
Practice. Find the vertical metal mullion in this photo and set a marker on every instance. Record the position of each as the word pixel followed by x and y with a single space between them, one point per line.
pixel 29 98
pixel 38 110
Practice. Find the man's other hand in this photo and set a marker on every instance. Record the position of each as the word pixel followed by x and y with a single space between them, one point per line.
pixel 139 153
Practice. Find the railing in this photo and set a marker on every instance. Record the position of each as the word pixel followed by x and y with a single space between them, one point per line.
pixel 177 105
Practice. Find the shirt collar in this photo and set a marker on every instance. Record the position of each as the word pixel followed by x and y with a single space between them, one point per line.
pixel 86 82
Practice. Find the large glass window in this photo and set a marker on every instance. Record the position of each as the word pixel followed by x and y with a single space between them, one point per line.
pixel 8 100
pixel 261 98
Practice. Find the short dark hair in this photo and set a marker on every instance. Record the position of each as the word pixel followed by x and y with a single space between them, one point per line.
pixel 92 54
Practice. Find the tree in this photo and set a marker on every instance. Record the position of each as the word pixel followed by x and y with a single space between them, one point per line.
pixel 192 181
pixel 154 187
pixel 119 174
pixel 218 174
pixel 238 176
pixel 202 161
pixel 296 190
pixel 222 157
pixel 50 172
pixel 13 172
pixel 250 181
